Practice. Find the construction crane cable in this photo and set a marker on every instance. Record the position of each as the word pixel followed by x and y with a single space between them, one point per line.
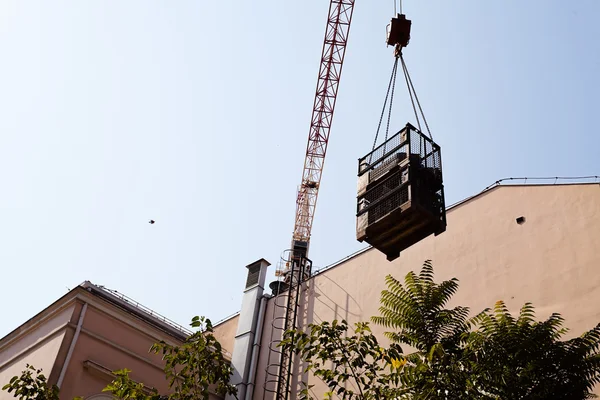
pixel 412 90
pixel 389 89
pixel 404 69
pixel 387 128
pixel 414 99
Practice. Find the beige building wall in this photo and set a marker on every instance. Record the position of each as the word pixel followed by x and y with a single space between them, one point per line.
pixel 37 342
pixel 551 260
pixel 225 331
pixel 112 335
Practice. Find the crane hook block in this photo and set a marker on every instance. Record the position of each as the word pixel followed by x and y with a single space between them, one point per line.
pixel 398 31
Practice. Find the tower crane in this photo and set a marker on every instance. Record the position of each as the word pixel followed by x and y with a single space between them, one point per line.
pixel 296 266
pixel 339 19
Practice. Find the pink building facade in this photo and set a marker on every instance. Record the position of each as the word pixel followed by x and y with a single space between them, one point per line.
pixel 85 335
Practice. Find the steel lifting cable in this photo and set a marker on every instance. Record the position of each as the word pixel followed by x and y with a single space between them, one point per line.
pixel 387 95
pixel 411 92
pixel 387 127
pixel 399 4
pixel 412 100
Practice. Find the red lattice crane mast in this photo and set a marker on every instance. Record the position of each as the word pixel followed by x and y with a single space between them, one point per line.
pixel 297 267
pixel 332 60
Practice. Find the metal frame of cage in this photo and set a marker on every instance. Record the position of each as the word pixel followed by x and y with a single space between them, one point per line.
pixel 402 173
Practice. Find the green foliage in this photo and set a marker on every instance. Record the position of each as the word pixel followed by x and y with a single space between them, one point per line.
pixel 416 315
pixel 524 359
pixel 361 369
pixel 416 311
pixel 489 356
pixel 123 387
pixel 32 384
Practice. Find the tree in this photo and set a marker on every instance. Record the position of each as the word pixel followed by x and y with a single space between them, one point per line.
pixel 357 360
pixel 31 385
pixel 417 314
pixel 489 356
pixel 191 370
pixel 518 358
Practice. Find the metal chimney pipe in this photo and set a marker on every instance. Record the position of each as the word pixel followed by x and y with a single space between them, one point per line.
pixel 247 326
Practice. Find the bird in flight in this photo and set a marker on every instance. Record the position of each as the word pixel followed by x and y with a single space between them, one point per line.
pixel 151 221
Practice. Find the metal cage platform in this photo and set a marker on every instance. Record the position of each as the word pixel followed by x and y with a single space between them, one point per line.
pixel 400 193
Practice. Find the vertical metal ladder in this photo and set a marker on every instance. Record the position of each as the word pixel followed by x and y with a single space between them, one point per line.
pixel 278 377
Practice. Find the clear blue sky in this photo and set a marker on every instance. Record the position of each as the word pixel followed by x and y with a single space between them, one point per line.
pixel 196 114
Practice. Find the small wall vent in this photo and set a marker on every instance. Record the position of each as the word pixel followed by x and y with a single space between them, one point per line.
pixel 253 275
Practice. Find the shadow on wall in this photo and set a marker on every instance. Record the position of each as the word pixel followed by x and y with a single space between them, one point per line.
pixel 341 303
pixel 332 304
pixel 336 303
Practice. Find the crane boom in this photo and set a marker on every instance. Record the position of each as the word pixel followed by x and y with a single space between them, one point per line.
pixel 332 59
